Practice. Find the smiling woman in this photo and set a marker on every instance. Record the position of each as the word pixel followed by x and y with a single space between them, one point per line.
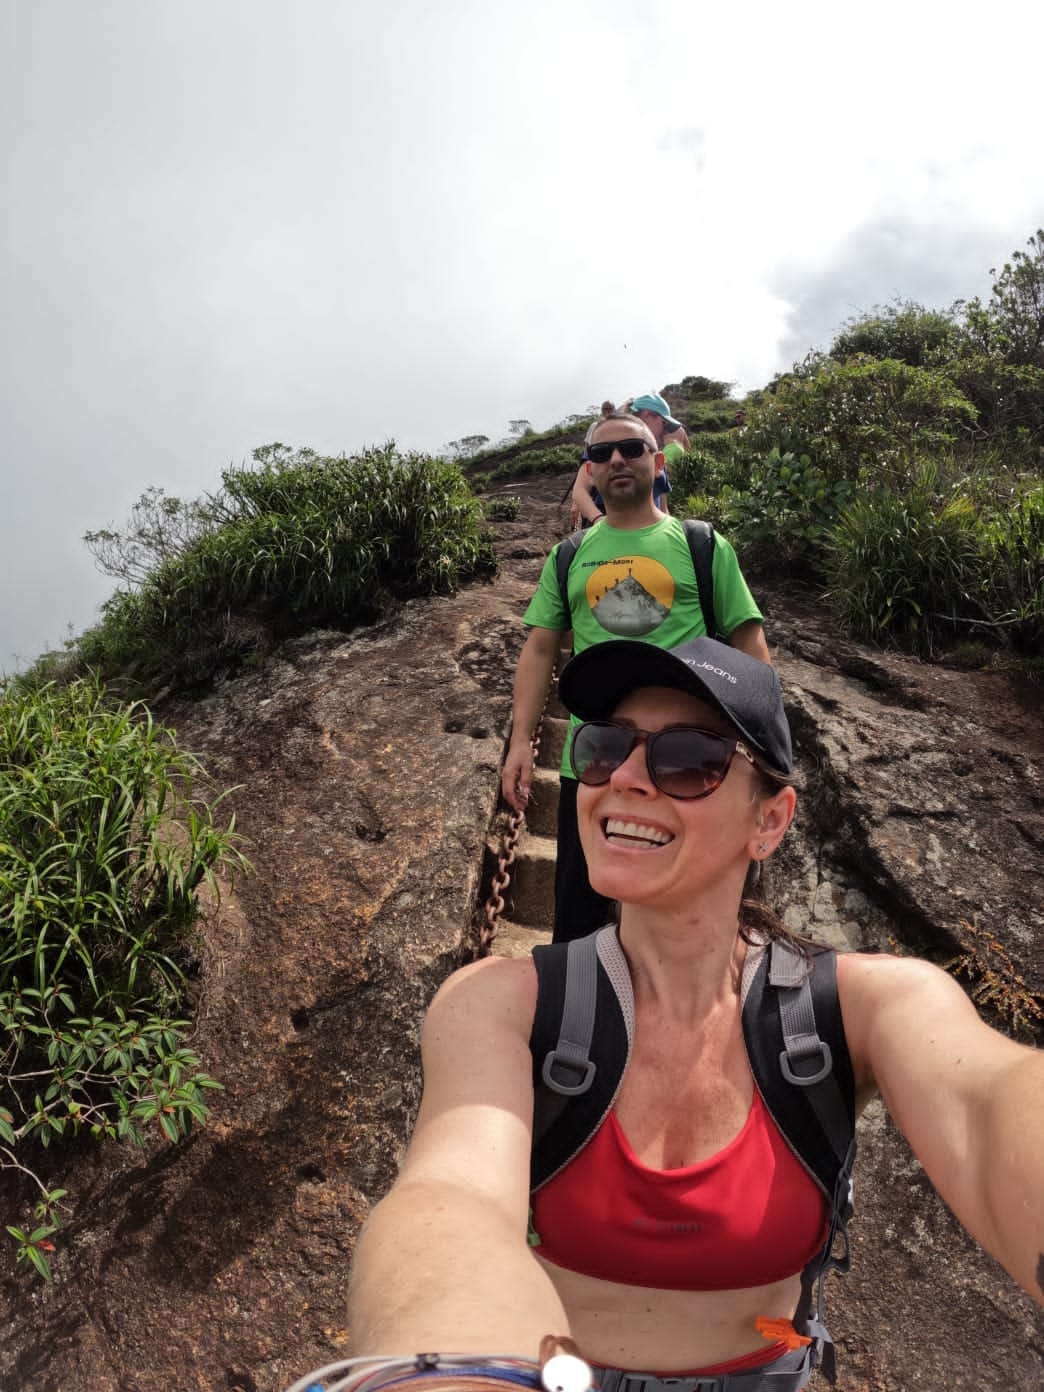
pixel 666 1155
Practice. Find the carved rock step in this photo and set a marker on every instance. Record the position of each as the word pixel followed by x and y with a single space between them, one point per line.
pixel 531 895
pixel 530 898
pixel 552 741
pixel 542 812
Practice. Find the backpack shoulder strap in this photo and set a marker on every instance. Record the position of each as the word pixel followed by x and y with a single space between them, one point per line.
pixel 796 1044
pixel 580 1043
pixel 567 549
pixel 700 536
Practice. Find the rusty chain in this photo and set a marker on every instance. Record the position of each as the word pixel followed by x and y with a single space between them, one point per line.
pixel 508 847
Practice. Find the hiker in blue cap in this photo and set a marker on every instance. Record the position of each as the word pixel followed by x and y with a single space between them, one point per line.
pixel 670 434
pixel 673 1120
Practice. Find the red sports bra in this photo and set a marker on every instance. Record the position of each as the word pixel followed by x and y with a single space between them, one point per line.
pixel 748 1216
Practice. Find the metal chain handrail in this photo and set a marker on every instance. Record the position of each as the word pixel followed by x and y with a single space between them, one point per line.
pixel 508 847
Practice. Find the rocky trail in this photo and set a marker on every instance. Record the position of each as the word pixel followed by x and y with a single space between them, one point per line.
pixel 367 773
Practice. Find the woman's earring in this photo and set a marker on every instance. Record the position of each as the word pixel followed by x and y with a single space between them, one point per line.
pixel 762 848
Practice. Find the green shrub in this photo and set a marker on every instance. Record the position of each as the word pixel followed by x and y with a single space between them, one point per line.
pixel 704 388
pixel 908 567
pixel 905 331
pixel 555 459
pixel 698 505
pixel 866 420
pixel 103 846
pixel 298 541
pixel 1009 400
pixel 159 527
pixel 503 509
pixel 712 463
pixel 970 655
pixel 1010 325
pixel 785 515
pixel 709 417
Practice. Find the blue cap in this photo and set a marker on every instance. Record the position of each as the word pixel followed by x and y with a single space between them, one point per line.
pixel 653 401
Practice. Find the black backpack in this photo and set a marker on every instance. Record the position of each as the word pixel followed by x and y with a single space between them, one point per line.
pixel 792 1027
pixel 700 536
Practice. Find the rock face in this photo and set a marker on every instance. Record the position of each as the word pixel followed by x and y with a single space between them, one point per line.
pixel 367 772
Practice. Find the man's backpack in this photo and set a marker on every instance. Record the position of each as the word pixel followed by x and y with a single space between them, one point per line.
pixel 699 535
pixel 794 1034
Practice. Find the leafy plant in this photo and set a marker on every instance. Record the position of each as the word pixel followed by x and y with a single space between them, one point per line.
pixel 904 331
pixel 1011 323
pixel 786 513
pixel 34 1246
pixel 1009 400
pixel 103 846
pixel 866 420
pixel 503 509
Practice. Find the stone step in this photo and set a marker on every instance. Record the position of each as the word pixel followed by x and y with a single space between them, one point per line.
pixel 529 900
pixel 542 812
pixel 552 741
pixel 531 896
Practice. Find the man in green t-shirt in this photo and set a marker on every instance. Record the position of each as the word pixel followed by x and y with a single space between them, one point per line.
pixel 632 577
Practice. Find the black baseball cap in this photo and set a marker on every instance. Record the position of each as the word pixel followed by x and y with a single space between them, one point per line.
pixel 745 689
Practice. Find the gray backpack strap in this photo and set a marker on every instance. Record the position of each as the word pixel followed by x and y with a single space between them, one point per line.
pixel 567 1068
pixel 806 1060
pixel 580 1042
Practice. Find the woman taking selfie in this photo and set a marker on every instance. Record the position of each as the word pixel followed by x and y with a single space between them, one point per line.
pixel 695 1087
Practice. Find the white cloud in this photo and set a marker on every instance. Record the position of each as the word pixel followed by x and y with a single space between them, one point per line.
pixel 329 224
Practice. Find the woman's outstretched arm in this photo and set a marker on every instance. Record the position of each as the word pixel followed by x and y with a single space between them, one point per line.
pixel 969 1100
pixel 442 1263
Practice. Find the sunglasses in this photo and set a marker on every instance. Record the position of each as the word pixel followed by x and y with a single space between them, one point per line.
pixel 602 452
pixel 683 761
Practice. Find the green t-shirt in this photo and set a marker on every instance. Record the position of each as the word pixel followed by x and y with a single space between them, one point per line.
pixel 639 584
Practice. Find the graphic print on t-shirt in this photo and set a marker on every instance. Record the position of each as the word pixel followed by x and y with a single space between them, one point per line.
pixel 629 596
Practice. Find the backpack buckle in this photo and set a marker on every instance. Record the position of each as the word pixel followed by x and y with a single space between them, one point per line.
pixel 816 1048
pixel 573 1061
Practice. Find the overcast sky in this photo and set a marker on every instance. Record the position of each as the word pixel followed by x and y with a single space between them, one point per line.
pixel 330 223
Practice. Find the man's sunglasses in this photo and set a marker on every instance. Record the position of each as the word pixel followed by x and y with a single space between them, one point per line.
pixel 683 761
pixel 602 451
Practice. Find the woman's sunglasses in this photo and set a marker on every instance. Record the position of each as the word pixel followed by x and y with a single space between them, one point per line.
pixel 683 761
pixel 630 448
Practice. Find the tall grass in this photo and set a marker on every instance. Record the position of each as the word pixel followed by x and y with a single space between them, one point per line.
pixel 296 542
pixel 907 566
pixel 104 842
